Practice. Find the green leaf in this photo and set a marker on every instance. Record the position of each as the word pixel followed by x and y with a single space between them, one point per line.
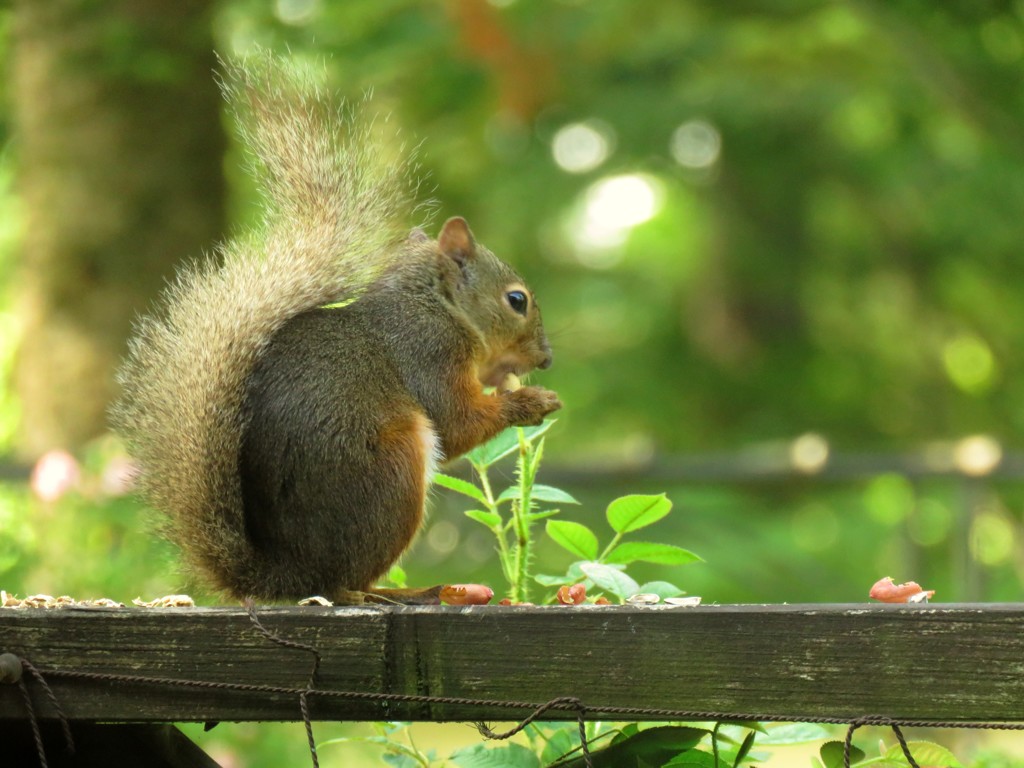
pixel 726 732
pixel 460 486
pixel 505 443
pixel 576 538
pixel 924 752
pixel 535 516
pixel 652 746
pixel 649 552
pixel 488 518
pixel 831 753
pixel 692 758
pixel 627 731
pixel 532 433
pixel 733 729
pixel 573 574
pixel 532 463
pixel 549 580
pixel 785 734
pixel 744 749
pixel 560 742
pixel 498 447
pixel 610 579
pixel 399 751
pixel 630 513
pixel 551 494
pixel 512 492
pixel 538 493
pixel 662 589
pixel 479 756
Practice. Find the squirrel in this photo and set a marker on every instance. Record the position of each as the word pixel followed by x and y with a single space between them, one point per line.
pixel 288 404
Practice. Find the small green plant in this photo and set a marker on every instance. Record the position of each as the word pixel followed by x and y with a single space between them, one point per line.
pixel 511 514
pixel 557 745
pixel 891 756
pixel 605 568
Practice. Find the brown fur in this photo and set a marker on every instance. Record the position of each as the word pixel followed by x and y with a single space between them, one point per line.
pixel 289 444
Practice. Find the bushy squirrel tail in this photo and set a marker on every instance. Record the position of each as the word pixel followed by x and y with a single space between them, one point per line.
pixel 334 204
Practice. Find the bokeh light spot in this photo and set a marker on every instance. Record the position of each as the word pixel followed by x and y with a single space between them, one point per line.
pixel 581 147
pixel 977 455
pixel 992 538
pixel 969 363
pixel 930 524
pixel 889 498
pixel 296 12
pixel 696 144
pixel 809 453
pixel 611 208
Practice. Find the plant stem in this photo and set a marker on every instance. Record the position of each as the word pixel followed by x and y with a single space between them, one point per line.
pixel 504 556
pixel 521 521
pixel 485 483
pixel 420 757
pixel 611 545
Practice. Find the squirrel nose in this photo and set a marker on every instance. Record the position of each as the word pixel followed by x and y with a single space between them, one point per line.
pixel 545 363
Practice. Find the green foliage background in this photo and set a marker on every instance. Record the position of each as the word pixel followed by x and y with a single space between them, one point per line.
pixel 848 264
pixel 844 265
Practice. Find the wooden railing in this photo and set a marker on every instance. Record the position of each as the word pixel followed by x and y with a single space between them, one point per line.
pixel 952 663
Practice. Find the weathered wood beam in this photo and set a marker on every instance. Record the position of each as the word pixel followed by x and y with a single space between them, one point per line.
pixel 953 662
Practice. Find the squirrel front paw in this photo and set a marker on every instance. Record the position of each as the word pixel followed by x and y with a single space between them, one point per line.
pixel 528 406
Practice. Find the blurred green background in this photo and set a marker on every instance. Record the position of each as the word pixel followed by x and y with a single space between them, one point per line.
pixel 778 247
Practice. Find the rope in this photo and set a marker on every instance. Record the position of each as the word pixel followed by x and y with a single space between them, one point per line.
pixel 567 702
pixel 250 608
pixel 36 733
pixel 65 726
pixel 903 744
pixel 12 670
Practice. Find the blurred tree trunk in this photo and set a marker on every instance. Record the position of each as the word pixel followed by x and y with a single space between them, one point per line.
pixel 119 143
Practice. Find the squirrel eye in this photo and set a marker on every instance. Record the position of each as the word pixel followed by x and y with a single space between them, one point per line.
pixel 518 301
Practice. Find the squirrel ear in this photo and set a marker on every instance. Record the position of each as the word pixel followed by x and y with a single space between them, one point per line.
pixel 456 241
pixel 418 236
